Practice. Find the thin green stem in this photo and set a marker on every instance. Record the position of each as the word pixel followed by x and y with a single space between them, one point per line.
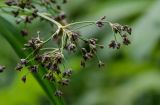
pixel 83 22
pixel 62 42
pixel 76 23
pixel 82 26
pixel 58 30
pixel 30 54
pixel 50 19
pixel 48 49
pixel 115 37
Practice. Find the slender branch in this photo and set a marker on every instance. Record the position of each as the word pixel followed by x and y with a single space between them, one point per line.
pixel 82 26
pixel 48 49
pixel 58 30
pixel 83 22
pixel 76 23
pixel 50 19
pixel 62 42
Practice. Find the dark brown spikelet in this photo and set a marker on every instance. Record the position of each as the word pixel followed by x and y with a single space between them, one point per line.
pixel 23 62
pixel 64 1
pixel 67 73
pixel 24 32
pixel 33 69
pixel 71 47
pixel 58 93
pixel 58 7
pixel 100 64
pixel 2 68
pixel 100 23
pixel 83 64
pixel 126 41
pixel 114 45
pixel 24 79
pixel 19 67
pixel 62 16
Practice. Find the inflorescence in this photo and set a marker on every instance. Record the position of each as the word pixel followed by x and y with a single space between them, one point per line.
pixel 67 39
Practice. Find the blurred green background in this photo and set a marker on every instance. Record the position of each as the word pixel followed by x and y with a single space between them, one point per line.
pixel 131 75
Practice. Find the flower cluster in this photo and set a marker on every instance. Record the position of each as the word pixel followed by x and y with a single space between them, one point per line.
pixel 53 59
pixel 123 31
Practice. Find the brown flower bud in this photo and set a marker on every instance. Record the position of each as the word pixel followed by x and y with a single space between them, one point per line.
pixel 2 68
pixel 67 73
pixel 58 93
pixel 24 32
pixel 19 67
pixel 33 69
pixel 100 64
pixel 23 62
pixel 83 63
pixel 126 41
pixel 24 79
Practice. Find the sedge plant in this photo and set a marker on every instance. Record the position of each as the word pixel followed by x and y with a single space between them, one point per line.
pixel 44 61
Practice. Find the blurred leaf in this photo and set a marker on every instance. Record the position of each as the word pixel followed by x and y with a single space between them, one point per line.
pixel 124 94
pixel 146 33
